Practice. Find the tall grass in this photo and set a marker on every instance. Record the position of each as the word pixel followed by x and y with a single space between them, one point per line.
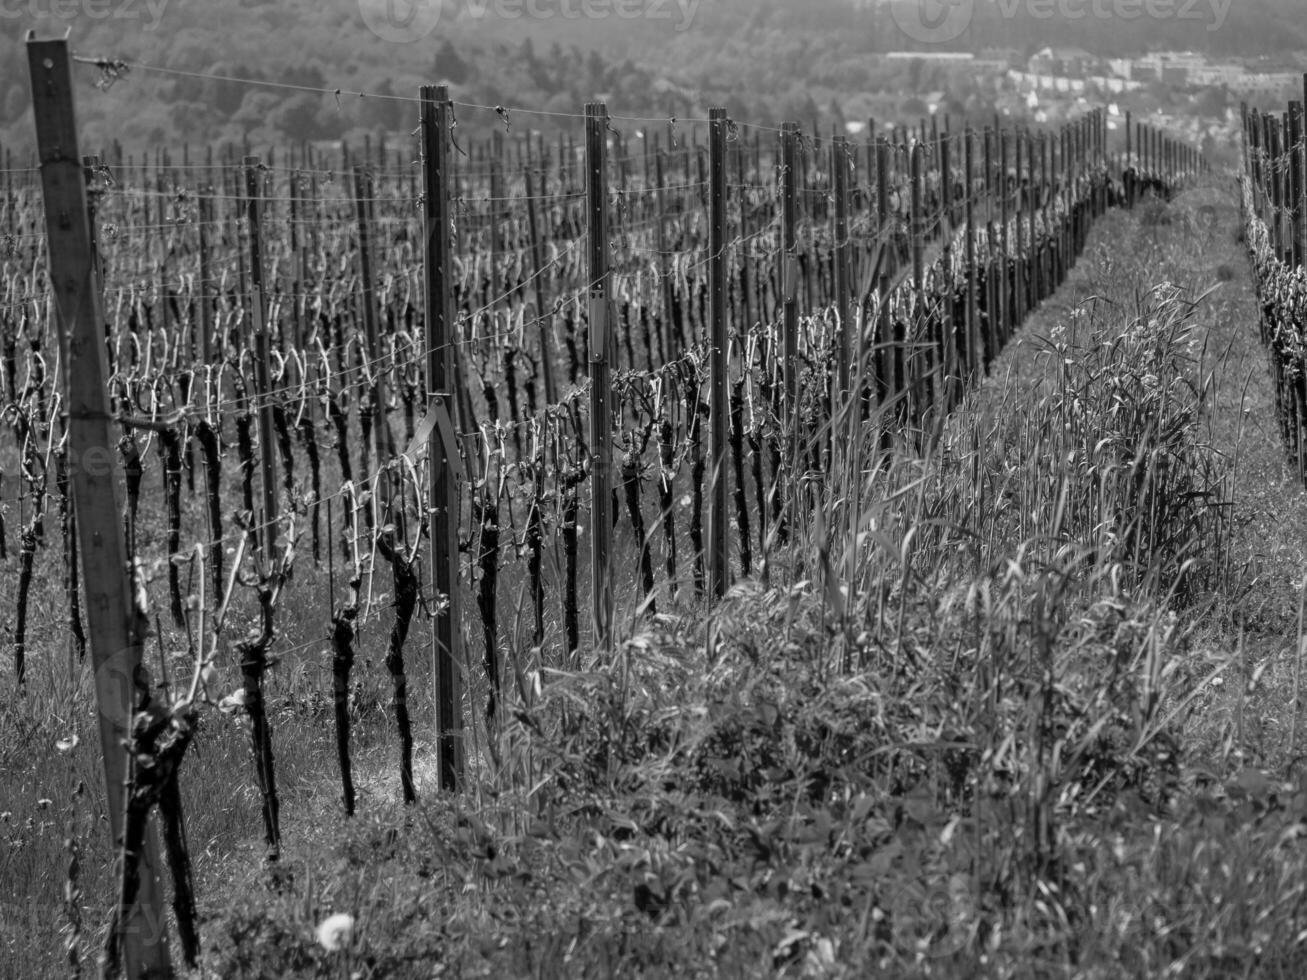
pixel 945 732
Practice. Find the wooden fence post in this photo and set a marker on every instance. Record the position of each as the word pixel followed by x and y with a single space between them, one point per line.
pixel 494 209
pixel 1007 299
pixel 1043 195
pixel 381 435
pixel 1060 174
pixel 992 302
pixel 669 335
pixel 442 452
pixel 205 202
pixel 1254 159
pixel 789 282
pixel 544 318
pixel 1278 182
pixel 1100 159
pixel 1129 150
pixel 949 390
pixel 1298 149
pixel 744 263
pixel 917 217
pixel 1256 148
pixel 112 624
pixel 1296 183
pixel 1269 194
pixel 841 160
pixel 265 522
pixel 1066 173
pixel 1038 181
pixel 295 266
pixel 1015 238
pixel 1277 199
pixel 718 567
pixel 917 380
pixel 887 352
pixel 601 345
pixel 975 357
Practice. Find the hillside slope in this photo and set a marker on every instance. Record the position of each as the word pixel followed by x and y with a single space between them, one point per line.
pixel 1020 760
pixel 766 60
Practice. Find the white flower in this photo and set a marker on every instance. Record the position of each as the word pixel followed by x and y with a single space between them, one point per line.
pixel 233 702
pixel 820 960
pixel 334 931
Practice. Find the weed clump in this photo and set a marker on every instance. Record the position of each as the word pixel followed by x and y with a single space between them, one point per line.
pixel 1155 214
pixel 1139 487
pixel 950 734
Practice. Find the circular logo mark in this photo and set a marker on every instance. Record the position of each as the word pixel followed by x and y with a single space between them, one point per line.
pixel 120 680
pixel 400 21
pixel 932 21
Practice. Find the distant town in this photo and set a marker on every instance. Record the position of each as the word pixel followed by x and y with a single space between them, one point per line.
pixel 1189 94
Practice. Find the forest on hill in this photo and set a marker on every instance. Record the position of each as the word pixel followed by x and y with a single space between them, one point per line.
pixel 764 60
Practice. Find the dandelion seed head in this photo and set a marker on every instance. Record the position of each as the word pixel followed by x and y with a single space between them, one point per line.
pixel 334 931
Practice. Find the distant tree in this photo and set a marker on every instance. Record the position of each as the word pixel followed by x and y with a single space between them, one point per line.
pixel 836 112
pixel 309 75
pixel 597 69
pixel 1213 102
pixel 916 68
pixel 255 108
pixel 388 112
pixel 228 97
pixel 797 106
pixel 737 107
pixel 561 102
pixel 15 102
pixel 1161 93
pixel 913 108
pixel 449 65
pixel 954 107
pixel 189 120
pixel 298 118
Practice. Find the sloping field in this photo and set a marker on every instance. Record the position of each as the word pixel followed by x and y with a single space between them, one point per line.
pixel 1038 718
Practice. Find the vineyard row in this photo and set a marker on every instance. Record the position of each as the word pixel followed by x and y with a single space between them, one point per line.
pixel 469 376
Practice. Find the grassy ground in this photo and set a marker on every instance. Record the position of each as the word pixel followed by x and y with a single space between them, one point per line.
pixel 1024 707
